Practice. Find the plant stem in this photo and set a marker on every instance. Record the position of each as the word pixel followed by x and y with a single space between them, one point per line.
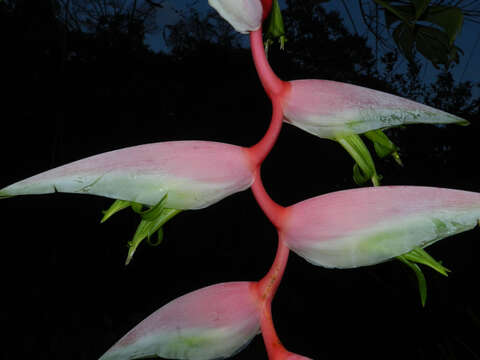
pixel 267 287
pixel 260 150
pixel 272 343
pixel 274 211
pixel 267 7
pixel 274 87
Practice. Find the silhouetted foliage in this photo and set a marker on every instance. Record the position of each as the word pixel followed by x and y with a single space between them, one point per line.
pixel 320 46
pixel 419 29
pixel 446 94
pixel 193 30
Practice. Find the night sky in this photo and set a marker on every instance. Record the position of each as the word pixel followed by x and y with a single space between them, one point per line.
pixel 467 40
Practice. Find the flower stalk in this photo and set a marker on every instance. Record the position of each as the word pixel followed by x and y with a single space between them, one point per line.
pixel 273 85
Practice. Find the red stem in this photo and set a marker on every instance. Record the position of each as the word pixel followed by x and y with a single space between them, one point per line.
pixel 276 89
pixel 273 86
pixel 260 150
pixel 267 6
pixel 272 343
pixel 267 287
pixel 274 212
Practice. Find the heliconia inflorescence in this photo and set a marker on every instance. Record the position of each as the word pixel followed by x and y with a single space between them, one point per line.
pixel 330 109
pixel 366 226
pixel 344 229
pixel 211 323
pixel 341 112
pixel 193 175
pixel 166 177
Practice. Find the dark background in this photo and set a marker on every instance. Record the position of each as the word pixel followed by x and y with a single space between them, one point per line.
pixel 66 293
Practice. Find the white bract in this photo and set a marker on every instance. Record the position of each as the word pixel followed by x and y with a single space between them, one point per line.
pixel 244 15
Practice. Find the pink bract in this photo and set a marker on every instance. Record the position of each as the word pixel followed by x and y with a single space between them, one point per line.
pixel 366 226
pixel 193 174
pixel 214 322
pixel 331 109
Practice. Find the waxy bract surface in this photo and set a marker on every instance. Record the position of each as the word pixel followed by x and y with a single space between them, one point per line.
pixel 243 15
pixel 367 226
pixel 211 323
pixel 331 109
pixel 193 174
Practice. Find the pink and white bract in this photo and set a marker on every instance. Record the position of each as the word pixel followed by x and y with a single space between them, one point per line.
pixel 193 174
pixel 366 226
pixel 331 109
pixel 211 323
pixel 244 15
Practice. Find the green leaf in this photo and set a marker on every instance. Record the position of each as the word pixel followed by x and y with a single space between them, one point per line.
pixel 404 38
pixel 450 19
pixel 359 176
pixel 154 211
pixel 422 283
pixel 147 228
pixel 5 195
pixel 433 44
pixel 420 6
pixel 365 167
pixel 383 145
pixel 399 11
pixel 454 51
pixel 117 206
pixel 275 28
pixel 159 238
pixel 137 207
pixel 152 221
pixel 420 256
